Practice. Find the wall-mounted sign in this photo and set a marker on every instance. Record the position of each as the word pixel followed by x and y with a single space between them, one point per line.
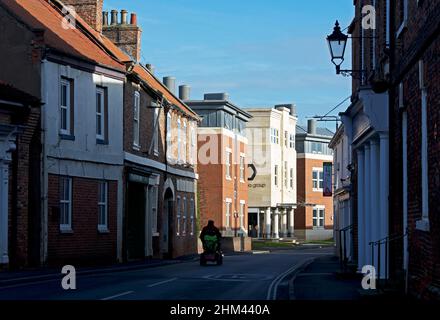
pixel 328 179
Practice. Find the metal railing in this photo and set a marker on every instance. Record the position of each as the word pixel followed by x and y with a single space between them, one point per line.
pixel 386 241
pixel 343 245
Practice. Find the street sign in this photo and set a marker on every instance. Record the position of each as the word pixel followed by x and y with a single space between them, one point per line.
pixel 254 174
pixel 328 177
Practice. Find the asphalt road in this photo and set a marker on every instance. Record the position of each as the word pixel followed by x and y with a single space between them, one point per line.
pixel 241 277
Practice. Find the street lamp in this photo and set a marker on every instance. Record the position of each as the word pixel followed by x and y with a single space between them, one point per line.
pixel 337 42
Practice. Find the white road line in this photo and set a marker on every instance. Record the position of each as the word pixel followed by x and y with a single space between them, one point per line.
pixel 117 295
pixel 273 288
pixel 162 282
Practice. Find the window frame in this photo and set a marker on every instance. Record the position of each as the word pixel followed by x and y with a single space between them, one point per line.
pixel 319 179
pixel 242 168
pixel 103 227
pixel 318 217
pixel 228 163
pixel 169 136
pixel 276 173
pixel 136 120
pixel 65 227
pixel 178 215
pixel 103 137
pixel 228 213
pixel 69 113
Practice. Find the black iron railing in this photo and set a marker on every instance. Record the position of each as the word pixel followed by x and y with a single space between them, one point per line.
pixel 343 245
pixel 386 242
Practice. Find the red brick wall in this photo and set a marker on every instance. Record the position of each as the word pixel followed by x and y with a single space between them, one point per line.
pixel 304 216
pixel 89 10
pixel 85 245
pixel 214 188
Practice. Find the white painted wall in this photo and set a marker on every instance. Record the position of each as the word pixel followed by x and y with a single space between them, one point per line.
pixel 82 157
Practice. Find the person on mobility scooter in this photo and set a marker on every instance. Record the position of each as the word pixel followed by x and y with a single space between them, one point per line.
pixel 211 240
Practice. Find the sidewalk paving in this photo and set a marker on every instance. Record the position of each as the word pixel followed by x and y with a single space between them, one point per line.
pixel 321 280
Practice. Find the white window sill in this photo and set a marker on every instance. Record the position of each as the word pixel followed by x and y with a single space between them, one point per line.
pixel 136 148
pixel 103 229
pixel 229 178
pixel 318 190
pixel 66 229
pixel 423 225
pixel 156 153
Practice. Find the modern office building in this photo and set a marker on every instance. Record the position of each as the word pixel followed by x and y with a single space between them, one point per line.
pixel 272 192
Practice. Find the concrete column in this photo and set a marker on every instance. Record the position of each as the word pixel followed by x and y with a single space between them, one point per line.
pixel 276 224
pixel 291 223
pixel 384 192
pixel 284 223
pixel 374 194
pixel 367 203
pixel 361 207
pixel 4 190
pixel 258 224
pixel 268 223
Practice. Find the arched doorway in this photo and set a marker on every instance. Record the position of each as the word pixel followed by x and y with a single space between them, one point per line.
pixel 168 224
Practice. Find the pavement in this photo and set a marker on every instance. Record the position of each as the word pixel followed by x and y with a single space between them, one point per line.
pixel 263 276
pixel 321 279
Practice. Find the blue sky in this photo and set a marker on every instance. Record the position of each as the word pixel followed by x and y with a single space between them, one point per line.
pixel 261 52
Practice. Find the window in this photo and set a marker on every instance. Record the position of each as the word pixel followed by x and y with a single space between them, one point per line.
pixel 276 175
pixel 185 212
pixel 103 206
pixel 156 132
pixel 242 168
pixel 286 139
pixel 184 144
pixel 318 179
pixel 192 217
pixel 275 136
pixel 66 107
pixel 136 112
pixel 65 204
pixel 228 121
pixel 101 114
pixel 179 208
pixel 169 137
pixel 318 217
pixel 228 213
pixel 292 141
pixel 179 138
pixel 317 147
pixel 153 207
pixel 291 178
pixel 228 164
pixel 286 178
pixel 242 213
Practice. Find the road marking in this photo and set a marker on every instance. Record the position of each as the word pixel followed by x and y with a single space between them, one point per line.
pixel 162 282
pixel 117 295
pixel 273 288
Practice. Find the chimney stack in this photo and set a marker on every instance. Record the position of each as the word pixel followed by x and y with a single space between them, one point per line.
pixel 170 83
pixel 89 10
pixel 125 36
pixel 124 17
pixel 184 92
pixel 217 96
pixel 311 126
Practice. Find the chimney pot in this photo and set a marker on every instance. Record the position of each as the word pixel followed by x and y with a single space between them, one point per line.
pixel 105 18
pixel 184 92
pixel 124 16
pixel 217 96
pixel 114 19
pixel 170 83
pixel 133 19
pixel 150 67
pixel 311 126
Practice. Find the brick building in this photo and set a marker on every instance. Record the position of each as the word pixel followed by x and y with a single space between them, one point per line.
pixel 19 162
pixel 399 98
pixel 314 215
pixel 222 163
